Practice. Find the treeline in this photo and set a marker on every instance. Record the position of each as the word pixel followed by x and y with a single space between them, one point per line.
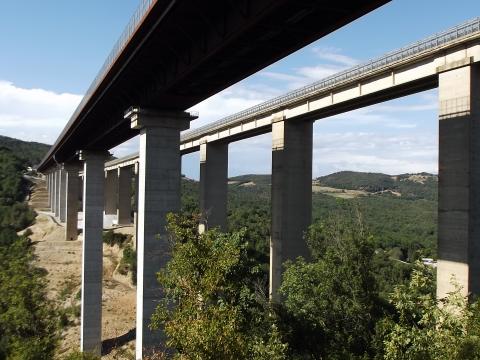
pixel 404 227
pixel 28 325
pixel 29 151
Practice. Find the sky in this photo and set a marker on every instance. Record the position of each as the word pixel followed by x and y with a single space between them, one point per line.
pixel 51 50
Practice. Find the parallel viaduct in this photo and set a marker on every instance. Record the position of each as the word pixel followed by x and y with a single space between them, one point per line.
pixel 174 54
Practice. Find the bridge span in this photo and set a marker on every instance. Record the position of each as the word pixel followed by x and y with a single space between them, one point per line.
pixel 172 55
pixel 106 118
pixel 447 60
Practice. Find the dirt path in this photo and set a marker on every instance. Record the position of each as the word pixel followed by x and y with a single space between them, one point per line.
pixel 62 260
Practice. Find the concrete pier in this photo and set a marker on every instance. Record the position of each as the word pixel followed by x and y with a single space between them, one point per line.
pixel 124 211
pixel 213 185
pixel 459 178
pixel 93 196
pixel 111 191
pixel 291 195
pixel 159 194
pixel 56 197
pixel 73 191
pixel 63 194
pixel 136 170
pixel 49 189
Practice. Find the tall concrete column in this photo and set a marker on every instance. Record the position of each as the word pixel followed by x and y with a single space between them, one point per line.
pixel 111 191
pixel 49 189
pixel 459 178
pixel 136 170
pixel 73 190
pixel 124 211
pixel 63 195
pixel 56 204
pixel 159 194
pixel 213 185
pixel 291 195
pixel 93 201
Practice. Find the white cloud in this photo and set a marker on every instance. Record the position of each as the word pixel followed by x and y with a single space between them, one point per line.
pixel 375 152
pixel 334 55
pixel 34 114
pixel 388 137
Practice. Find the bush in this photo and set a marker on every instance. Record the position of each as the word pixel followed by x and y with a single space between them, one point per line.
pixel 331 305
pixel 77 355
pixel 214 306
pixel 129 263
pixel 111 238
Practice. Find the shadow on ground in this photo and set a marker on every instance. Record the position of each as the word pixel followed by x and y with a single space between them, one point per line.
pixel 110 344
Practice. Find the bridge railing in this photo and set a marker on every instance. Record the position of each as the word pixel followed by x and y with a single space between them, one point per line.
pixel 135 21
pixel 438 40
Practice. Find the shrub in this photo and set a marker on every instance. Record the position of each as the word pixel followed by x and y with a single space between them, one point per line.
pixel 111 238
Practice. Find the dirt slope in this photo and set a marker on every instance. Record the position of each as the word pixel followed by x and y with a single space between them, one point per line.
pixel 62 260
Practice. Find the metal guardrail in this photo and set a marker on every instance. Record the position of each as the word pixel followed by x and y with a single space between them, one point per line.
pixel 438 40
pixel 123 40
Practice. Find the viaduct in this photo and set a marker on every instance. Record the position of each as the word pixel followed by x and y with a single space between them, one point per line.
pixel 174 54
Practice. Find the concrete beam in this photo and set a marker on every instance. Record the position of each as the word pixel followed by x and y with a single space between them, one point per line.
pixel 291 195
pixel 459 180
pixel 92 261
pixel 72 200
pixel 159 194
pixel 213 185
pixel 111 192
pixel 124 211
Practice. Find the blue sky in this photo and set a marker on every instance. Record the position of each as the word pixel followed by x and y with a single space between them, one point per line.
pixel 52 50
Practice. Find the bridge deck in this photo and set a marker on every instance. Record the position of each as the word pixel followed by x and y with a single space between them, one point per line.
pixel 405 71
pixel 176 53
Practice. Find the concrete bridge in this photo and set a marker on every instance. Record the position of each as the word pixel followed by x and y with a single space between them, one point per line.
pixel 447 60
pixel 199 61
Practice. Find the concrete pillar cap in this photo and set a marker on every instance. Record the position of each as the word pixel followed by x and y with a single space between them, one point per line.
pixel 144 117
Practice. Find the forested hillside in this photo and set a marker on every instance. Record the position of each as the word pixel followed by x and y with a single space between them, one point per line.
pixel 27 320
pixel 30 151
pixel 399 211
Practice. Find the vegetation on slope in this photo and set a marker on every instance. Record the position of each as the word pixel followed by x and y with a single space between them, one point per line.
pixel 27 319
pixel 403 226
pixel 31 152
pixel 216 304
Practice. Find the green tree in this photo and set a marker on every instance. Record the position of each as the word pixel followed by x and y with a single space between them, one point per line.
pixel 214 305
pixel 331 305
pixel 28 320
pixel 28 324
pixel 426 328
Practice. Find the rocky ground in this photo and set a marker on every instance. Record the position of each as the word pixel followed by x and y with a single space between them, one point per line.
pixel 62 261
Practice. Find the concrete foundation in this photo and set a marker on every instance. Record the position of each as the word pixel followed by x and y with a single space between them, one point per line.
pixel 291 195
pixel 93 201
pixel 159 194
pixel 124 211
pixel 459 180
pixel 73 190
pixel 213 185
pixel 111 192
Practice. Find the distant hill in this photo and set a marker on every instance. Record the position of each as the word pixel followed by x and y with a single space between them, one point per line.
pixel 31 152
pixel 400 211
pixel 410 186
pixel 250 180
